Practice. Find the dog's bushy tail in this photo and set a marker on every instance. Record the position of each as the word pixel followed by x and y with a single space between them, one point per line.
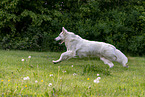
pixel 121 58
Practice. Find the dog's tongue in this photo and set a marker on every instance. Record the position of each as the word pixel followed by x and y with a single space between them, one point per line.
pixel 61 42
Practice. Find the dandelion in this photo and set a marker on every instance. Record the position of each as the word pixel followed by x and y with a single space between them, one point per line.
pixel 22 59
pixel 96 81
pixel 97 74
pixel 72 66
pixel 2 80
pixel 41 80
pixel 50 84
pixel 63 71
pixel 8 80
pixel 99 78
pixel 25 85
pixel 29 57
pixel 36 81
pixel 74 74
pixel 26 78
pixel 88 78
pixel 51 75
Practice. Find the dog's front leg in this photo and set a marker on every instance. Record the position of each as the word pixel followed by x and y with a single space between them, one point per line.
pixel 65 56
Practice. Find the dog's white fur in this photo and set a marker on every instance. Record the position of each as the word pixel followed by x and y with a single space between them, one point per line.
pixel 76 46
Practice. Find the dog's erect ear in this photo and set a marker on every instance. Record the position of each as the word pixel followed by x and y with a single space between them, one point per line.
pixel 64 30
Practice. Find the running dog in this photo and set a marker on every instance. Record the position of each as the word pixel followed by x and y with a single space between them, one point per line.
pixel 77 46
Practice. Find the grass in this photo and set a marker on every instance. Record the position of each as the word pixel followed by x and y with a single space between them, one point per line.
pixel 73 78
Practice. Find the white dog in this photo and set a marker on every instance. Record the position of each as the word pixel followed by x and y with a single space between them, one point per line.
pixel 76 46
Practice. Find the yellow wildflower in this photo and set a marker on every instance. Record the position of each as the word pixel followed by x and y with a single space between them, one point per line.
pixel 88 78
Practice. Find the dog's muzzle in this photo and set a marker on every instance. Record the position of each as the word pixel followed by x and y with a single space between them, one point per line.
pixel 57 39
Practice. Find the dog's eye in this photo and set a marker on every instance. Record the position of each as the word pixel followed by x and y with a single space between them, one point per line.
pixel 60 35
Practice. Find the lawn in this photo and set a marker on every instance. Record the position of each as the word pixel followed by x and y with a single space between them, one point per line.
pixel 38 76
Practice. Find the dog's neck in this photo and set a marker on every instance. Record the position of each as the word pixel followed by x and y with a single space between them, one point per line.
pixel 70 39
pixel 71 36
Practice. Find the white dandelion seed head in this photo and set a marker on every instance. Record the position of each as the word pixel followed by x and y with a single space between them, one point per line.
pixel 36 81
pixel 72 66
pixel 29 56
pixel 51 75
pixel 64 71
pixel 26 78
pixel 22 59
pixel 96 81
pixel 98 74
pixel 50 84
pixel 99 78
pixel 74 74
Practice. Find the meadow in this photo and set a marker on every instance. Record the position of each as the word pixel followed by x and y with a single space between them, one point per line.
pixel 32 74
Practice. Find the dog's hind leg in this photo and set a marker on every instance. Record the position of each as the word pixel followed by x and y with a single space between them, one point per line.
pixel 65 56
pixel 106 61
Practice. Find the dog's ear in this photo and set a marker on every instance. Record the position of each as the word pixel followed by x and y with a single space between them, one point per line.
pixel 64 30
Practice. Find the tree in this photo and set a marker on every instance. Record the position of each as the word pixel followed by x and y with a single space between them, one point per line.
pixel 33 24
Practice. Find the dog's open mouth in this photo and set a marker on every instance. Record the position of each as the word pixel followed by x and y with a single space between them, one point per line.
pixel 58 39
pixel 61 42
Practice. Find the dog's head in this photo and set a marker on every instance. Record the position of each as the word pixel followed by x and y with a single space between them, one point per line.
pixel 61 35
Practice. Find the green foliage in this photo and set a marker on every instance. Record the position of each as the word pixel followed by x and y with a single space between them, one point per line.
pixel 33 25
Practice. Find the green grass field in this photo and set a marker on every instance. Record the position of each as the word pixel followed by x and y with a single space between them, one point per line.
pixel 38 76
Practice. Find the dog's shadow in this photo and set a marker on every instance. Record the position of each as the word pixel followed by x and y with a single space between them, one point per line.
pixel 103 69
pixel 96 69
pixel 91 65
pixel 95 65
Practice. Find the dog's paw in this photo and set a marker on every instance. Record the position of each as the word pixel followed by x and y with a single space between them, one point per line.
pixel 111 66
pixel 126 66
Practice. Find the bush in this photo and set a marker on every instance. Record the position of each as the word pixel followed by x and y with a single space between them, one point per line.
pixel 33 25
